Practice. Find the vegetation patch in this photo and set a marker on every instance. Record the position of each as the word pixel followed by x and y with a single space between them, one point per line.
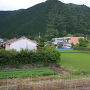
pixel 4 74
pixel 78 63
pixel 47 55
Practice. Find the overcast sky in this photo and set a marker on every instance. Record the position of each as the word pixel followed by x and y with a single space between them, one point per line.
pixel 23 4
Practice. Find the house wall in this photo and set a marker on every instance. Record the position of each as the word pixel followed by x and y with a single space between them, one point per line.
pixel 74 40
pixel 23 44
pixel 7 47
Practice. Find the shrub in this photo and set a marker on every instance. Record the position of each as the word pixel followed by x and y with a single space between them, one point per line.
pixel 76 46
pixel 72 44
pixel 46 55
pixel 7 57
pixel 50 54
pixel 83 43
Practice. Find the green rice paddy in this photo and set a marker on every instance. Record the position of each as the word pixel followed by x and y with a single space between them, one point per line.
pixel 75 60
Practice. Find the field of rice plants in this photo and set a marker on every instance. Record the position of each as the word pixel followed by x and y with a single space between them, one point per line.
pixel 75 60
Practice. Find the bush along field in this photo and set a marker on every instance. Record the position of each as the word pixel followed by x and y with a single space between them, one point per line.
pixel 45 55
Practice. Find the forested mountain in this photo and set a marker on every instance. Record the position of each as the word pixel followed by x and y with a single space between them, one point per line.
pixel 6 14
pixel 51 18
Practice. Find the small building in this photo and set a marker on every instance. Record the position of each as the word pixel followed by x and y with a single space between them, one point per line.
pixel 20 43
pixel 61 43
pixel 65 41
pixel 70 40
pixel 1 41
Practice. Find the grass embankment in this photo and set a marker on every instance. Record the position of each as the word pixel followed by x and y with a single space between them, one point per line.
pixel 76 61
pixel 26 73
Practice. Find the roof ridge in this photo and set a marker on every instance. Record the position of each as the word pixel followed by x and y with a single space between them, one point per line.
pixel 15 39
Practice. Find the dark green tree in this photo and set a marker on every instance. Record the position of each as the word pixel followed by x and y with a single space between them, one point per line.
pixel 51 33
pixel 83 42
pixel 41 42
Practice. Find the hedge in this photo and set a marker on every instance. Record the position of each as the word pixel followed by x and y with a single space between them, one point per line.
pixel 82 48
pixel 48 54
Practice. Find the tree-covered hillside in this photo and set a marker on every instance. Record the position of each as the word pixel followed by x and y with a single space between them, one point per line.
pixel 6 14
pixel 51 18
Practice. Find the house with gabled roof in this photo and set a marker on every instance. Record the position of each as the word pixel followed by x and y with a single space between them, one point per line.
pixel 20 43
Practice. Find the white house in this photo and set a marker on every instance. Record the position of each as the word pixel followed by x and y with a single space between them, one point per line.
pixel 20 43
